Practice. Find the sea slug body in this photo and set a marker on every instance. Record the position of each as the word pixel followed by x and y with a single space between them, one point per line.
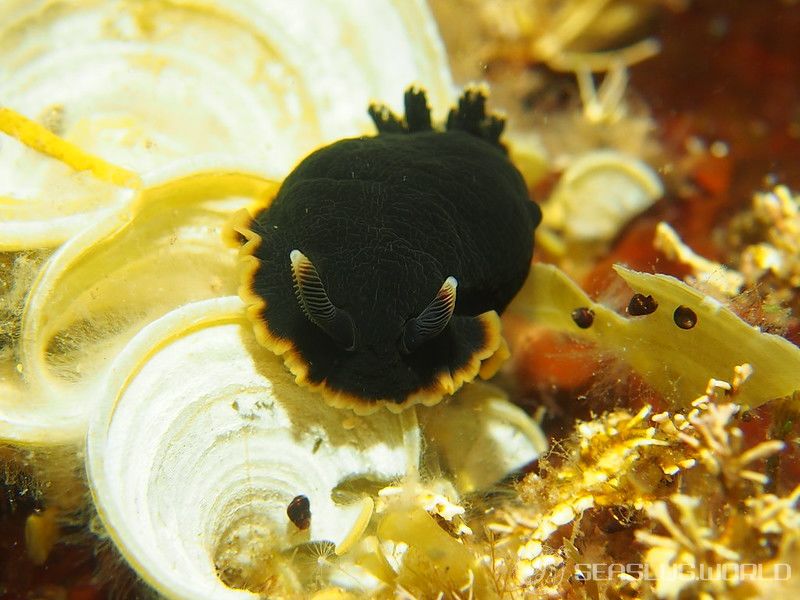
pixel 381 266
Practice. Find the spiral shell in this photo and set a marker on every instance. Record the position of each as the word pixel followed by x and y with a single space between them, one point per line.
pixel 199 445
pixel 202 441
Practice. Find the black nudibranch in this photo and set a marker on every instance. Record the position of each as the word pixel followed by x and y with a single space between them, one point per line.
pixel 381 266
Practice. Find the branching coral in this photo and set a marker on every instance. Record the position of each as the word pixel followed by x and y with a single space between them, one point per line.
pixel 711 557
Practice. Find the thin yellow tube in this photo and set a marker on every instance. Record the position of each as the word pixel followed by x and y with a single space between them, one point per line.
pixel 42 140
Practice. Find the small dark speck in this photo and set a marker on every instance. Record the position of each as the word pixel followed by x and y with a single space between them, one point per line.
pixel 317 444
pixel 299 512
pixel 642 305
pixel 583 317
pixel 684 317
pixel 578 577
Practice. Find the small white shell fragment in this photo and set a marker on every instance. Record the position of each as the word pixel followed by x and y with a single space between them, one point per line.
pixel 598 194
pixel 481 436
pixel 201 441
pixel 530 550
pixel 562 515
pixel 442 506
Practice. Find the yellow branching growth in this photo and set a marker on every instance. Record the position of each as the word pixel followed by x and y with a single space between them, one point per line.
pixel 777 215
pixel 686 479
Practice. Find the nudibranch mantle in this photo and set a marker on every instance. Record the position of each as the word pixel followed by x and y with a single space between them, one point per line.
pixel 381 266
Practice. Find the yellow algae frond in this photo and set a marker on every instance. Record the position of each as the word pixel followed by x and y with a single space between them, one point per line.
pixel 762 274
pixel 43 140
pixel 49 187
pixel 687 339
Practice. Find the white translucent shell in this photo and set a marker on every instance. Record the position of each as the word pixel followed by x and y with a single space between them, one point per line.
pixel 198 443
pixel 599 194
pixel 481 436
pixel 202 439
pixel 656 347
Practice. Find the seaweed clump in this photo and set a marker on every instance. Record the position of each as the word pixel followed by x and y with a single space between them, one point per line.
pixel 664 505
